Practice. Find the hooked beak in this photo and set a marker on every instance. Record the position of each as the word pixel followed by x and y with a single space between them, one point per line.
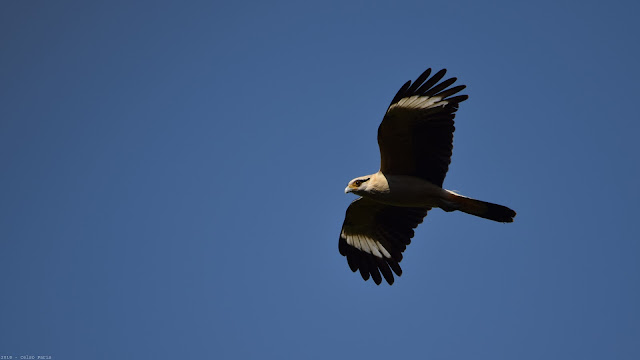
pixel 347 190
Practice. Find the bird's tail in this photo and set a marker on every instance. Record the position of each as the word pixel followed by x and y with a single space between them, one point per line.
pixel 482 209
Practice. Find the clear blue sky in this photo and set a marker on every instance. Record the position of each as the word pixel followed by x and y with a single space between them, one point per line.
pixel 172 179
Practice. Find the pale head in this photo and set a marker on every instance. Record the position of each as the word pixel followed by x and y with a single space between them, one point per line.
pixel 358 185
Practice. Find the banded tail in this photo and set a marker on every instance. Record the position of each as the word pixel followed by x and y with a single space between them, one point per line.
pixel 479 208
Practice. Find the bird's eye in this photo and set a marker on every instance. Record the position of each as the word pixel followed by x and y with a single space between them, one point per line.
pixel 358 183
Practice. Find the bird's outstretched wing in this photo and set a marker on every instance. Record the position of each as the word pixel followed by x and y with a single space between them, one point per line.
pixel 416 134
pixel 374 235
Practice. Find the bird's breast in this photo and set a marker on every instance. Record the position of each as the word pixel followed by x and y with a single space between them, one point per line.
pixel 406 191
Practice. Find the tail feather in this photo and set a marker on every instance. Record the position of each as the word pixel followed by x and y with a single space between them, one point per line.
pixel 484 209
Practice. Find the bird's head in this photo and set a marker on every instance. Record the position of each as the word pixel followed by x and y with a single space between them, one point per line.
pixel 358 185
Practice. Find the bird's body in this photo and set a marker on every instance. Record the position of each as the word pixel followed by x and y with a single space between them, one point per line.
pixel 402 190
pixel 415 139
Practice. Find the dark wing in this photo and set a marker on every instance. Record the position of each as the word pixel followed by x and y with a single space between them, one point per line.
pixel 416 134
pixel 374 235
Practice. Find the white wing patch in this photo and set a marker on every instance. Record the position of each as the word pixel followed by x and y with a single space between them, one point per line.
pixel 419 102
pixel 366 244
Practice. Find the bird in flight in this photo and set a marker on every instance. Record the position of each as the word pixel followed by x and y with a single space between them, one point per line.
pixel 415 140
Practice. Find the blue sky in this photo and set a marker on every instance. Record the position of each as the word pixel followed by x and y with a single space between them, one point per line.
pixel 173 173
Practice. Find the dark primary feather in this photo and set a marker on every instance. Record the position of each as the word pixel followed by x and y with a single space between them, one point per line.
pixel 399 94
pixel 416 84
pixel 419 142
pixel 427 85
